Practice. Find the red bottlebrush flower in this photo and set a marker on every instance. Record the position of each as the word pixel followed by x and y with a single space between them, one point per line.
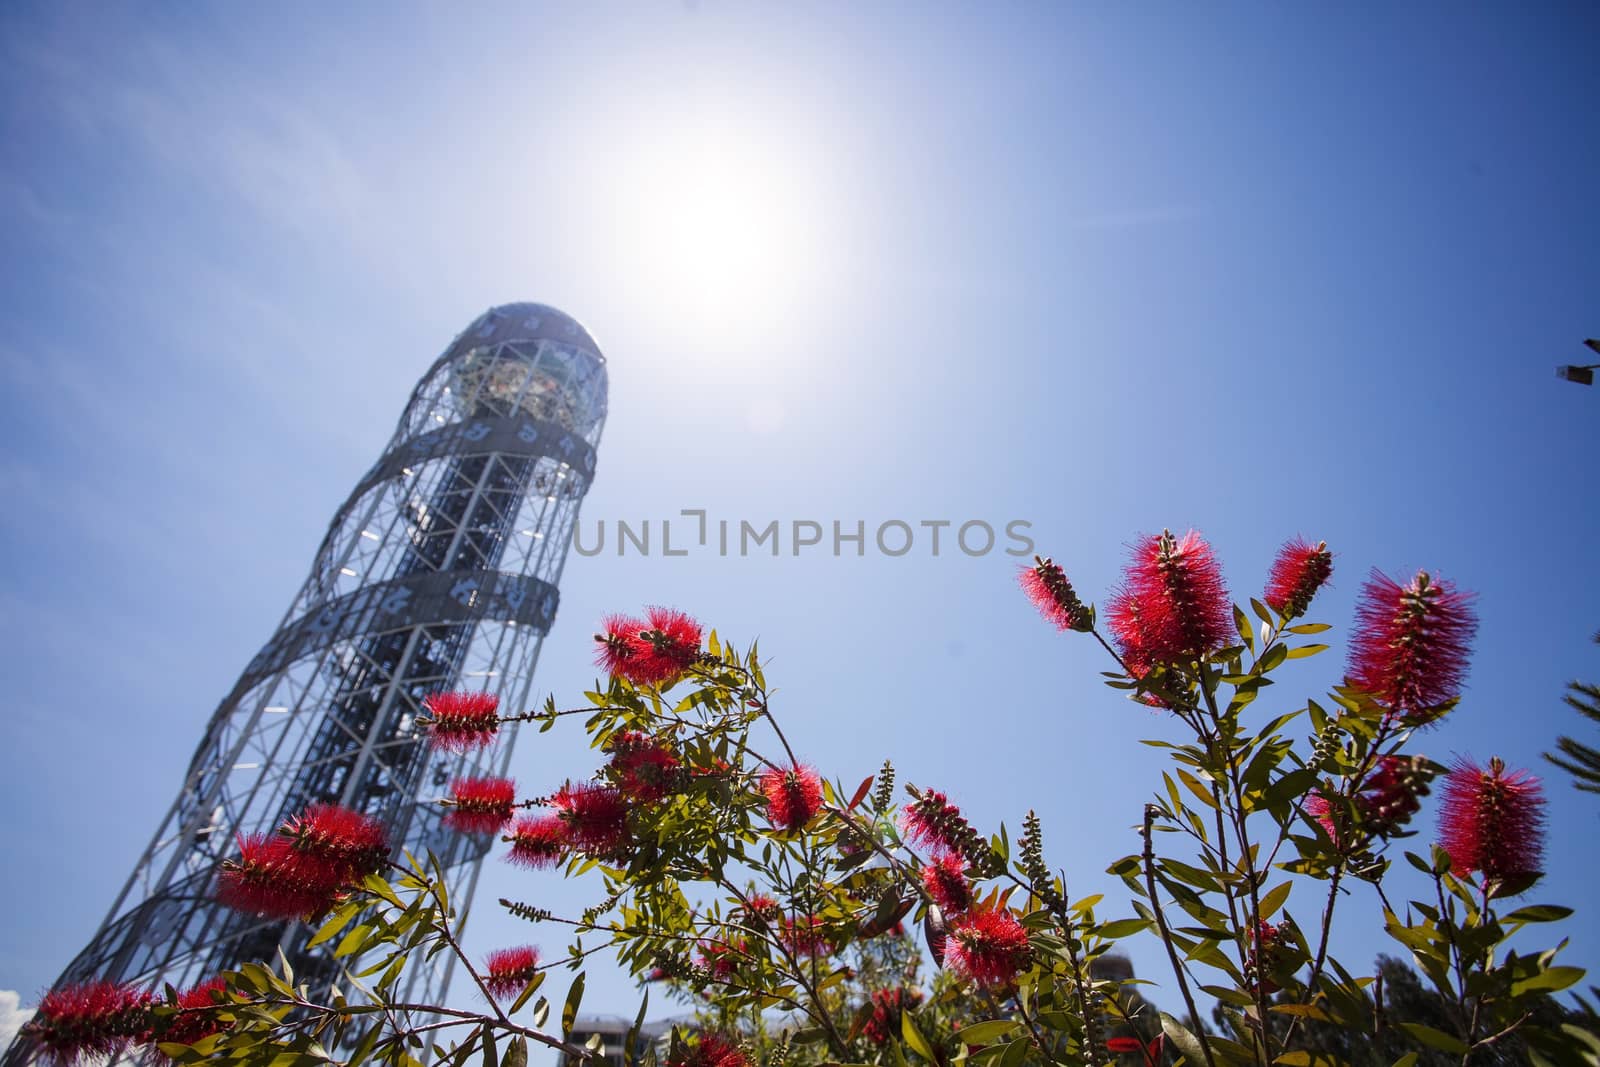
pixel 794 796
pixel 538 841
pixel 619 645
pixel 1123 613
pixel 657 974
pixel 595 818
pixel 1046 585
pixel 946 882
pixel 462 721
pixel 1493 821
pixel 652 652
pixel 1151 1052
pixel 507 971
pixel 1173 605
pixel 888 1005
pixel 720 959
pixel 806 935
pixel 196 1021
pixel 1298 572
pixel 1411 643
pixel 1264 953
pixel 762 907
pixel 273 878
pixel 351 844
pixel 643 768
pixel 481 805
pixel 93 1020
pixel 1388 798
pixel 713 1050
pixel 989 947
pixel 932 821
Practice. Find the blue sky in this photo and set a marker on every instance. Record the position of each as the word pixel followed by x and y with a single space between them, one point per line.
pixel 1258 271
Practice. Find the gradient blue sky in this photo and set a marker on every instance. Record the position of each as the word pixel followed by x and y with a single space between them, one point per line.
pixel 1258 270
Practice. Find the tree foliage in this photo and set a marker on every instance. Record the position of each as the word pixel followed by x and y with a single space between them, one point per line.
pixel 800 912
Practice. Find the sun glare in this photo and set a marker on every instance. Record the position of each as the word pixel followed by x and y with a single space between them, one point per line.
pixel 722 223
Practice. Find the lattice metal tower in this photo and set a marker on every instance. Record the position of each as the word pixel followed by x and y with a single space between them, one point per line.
pixel 439 572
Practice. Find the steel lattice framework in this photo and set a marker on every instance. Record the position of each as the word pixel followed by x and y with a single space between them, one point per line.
pixel 438 572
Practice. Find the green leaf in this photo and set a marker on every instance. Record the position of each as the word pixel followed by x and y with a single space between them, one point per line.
pixel 491 1055
pixel 1198 788
pixel 1301 1058
pixel 1539 913
pixel 374 884
pixel 632 1039
pixel 541 1012
pixel 522 998
pixel 1408 1060
pixel 913 1037
pixel 1306 650
pixel 1274 900
pixel 1435 1038
pixel 1016 1053
pixel 1181 1038
pixel 987 1033
pixel 341 918
pixel 1241 622
pixel 1120 928
pixel 351 941
pixel 517 1052
pixel 1555 979
pixel 569 1013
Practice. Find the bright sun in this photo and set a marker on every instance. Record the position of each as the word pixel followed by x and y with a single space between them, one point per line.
pixel 722 222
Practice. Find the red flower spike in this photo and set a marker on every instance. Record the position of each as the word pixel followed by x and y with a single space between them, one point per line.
pixel 348 843
pixel 888 1005
pixel 196 1021
pixel 538 842
pixel 945 879
pixel 619 645
pixel 507 971
pixel 762 907
pixel 1045 583
pixel 989 947
pixel 272 878
pixel 90 1021
pixel 1411 644
pixel 1389 797
pixel 481 805
pixel 595 818
pixel 794 796
pixel 462 721
pixel 806 935
pixel 643 768
pixel 652 652
pixel 721 959
pixel 713 1050
pixel 1151 1052
pixel 1493 821
pixel 932 821
pixel 1264 951
pixel 1173 605
pixel 1298 572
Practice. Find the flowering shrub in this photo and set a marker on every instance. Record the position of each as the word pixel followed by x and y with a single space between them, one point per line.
pixel 778 899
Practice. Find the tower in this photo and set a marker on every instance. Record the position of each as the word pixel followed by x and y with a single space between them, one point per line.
pixel 439 571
